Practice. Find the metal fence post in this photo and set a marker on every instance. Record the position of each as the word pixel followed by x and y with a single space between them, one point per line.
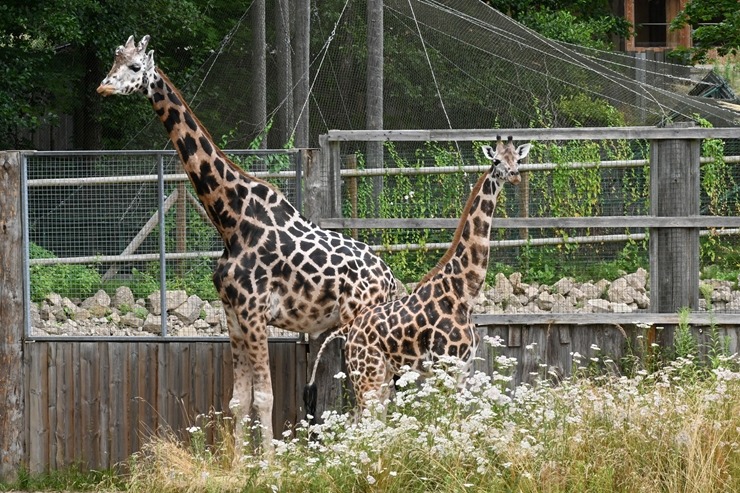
pixel 162 252
pixel 12 315
pixel 674 252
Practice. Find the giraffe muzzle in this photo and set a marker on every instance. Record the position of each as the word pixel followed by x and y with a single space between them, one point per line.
pixel 106 89
pixel 515 177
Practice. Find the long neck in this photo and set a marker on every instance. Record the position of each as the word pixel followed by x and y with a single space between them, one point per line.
pixel 220 184
pixel 466 261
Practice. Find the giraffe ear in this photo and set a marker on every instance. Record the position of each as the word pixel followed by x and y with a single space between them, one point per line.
pixel 142 44
pixel 488 152
pixel 523 150
pixel 150 60
pixel 130 42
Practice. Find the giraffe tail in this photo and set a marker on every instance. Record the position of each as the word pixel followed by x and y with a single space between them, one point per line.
pixel 310 392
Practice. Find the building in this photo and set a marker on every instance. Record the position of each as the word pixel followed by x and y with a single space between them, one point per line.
pixel 651 20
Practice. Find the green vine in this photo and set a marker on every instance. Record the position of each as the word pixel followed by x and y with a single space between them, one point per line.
pixel 721 198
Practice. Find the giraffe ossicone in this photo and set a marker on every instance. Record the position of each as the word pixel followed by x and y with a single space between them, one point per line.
pixel 277 268
pixel 434 322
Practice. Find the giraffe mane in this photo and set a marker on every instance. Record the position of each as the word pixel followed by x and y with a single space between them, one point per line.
pixel 203 129
pixel 458 231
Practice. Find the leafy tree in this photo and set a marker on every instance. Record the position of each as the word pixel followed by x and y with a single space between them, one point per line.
pixel 715 24
pixel 583 22
pixel 54 53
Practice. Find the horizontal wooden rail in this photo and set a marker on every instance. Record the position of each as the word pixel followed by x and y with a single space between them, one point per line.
pixel 694 318
pixel 524 168
pixel 540 222
pixel 590 133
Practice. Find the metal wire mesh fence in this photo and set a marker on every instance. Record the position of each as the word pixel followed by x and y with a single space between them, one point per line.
pixel 566 265
pixel 106 230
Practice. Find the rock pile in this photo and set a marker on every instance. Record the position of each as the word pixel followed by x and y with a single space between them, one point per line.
pixel 122 315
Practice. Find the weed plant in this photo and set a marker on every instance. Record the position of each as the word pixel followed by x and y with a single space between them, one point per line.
pixel 673 429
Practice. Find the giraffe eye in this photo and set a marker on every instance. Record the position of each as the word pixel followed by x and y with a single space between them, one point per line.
pixel 135 67
pixel 496 162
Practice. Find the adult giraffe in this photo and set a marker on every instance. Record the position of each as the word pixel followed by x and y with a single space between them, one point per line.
pixel 435 320
pixel 277 268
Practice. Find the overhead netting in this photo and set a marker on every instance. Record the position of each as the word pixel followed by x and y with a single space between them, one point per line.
pixel 483 69
pixel 449 64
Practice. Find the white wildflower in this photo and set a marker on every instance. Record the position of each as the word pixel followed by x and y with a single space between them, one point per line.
pixel 407 378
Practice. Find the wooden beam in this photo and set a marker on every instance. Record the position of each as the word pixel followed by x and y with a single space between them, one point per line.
pixel 694 318
pixel 540 222
pixel 674 252
pixel 12 316
pixel 543 134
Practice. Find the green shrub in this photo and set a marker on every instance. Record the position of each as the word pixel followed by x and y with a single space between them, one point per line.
pixel 70 280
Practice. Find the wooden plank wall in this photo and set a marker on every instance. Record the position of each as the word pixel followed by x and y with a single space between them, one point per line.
pixel 540 348
pixel 93 404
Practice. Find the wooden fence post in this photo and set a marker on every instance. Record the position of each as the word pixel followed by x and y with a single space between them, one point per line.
pixel 322 198
pixel 351 163
pixel 12 316
pixel 674 252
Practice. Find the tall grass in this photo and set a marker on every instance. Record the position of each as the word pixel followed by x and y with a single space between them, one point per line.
pixel 676 429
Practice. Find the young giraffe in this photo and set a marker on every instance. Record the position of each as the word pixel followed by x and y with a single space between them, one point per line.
pixel 435 319
pixel 277 268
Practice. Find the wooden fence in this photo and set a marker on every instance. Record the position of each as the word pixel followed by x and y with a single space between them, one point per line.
pixel 93 402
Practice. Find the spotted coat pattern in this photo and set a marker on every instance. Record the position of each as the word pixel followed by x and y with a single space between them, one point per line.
pixel 277 268
pixel 436 318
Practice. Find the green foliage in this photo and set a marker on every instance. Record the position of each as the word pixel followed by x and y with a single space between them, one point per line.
pixel 69 280
pixel 715 25
pixel 197 280
pixel 685 345
pixel 437 195
pixel 721 197
pixel 579 109
pixel 69 479
pixel 584 22
pixel 47 44
pixel 563 25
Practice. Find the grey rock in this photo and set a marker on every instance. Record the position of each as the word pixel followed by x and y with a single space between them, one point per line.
pixel 123 297
pixel 563 286
pixel 152 324
pixel 637 280
pixel 131 320
pixel 189 311
pixel 173 300
pixel 598 306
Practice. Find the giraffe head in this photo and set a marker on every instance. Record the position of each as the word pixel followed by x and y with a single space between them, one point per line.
pixel 133 69
pixel 506 160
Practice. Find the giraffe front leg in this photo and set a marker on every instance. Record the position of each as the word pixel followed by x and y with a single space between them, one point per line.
pixel 368 373
pixel 241 397
pixel 263 404
pixel 254 330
